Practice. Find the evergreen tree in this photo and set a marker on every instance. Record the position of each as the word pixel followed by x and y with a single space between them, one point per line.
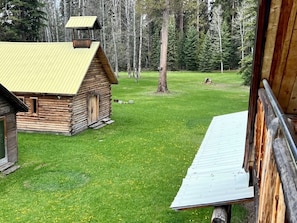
pixel 227 46
pixel 25 20
pixel 172 47
pixel 155 48
pixel 190 49
pixel 204 57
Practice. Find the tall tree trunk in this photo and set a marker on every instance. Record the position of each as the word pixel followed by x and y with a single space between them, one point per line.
pixel 140 47
pixel 162 85
pixel 134 41
pixel 56 17
pixel 103 25
pixel 66 17
pixel 198 18
pixel 127 11
pixel 219 22
pixel 114 23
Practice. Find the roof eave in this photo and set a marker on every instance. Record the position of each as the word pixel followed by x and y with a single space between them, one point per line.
pixel 17 103
pixel 107 67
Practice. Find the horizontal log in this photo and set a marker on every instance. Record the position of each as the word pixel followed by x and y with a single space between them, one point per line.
pixel 288 174
pixel 221 214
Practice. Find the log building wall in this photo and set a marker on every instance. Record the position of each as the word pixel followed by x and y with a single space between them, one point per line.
pixel 272 193
pixel 8 112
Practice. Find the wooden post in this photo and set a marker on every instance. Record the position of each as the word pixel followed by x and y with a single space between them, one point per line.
pixel 221 214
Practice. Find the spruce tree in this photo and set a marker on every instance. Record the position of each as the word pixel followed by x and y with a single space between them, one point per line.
pixel 155 49
pixel 205 54
pixel 227 46
pixel 25 20
pixel 190 49
pixel 172 47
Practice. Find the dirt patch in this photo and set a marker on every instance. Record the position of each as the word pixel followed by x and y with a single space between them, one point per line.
pixel 250 207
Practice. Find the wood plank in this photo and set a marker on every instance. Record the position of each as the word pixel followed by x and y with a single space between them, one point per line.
pixel 282 44
pixel 286 67
pixel 256 78
pixel 271 38
pixel 288 175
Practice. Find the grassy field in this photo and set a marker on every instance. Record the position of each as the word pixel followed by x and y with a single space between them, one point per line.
pixel 129 171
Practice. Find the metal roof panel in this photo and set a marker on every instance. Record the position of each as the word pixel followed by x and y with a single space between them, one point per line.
pixel 82 22
pixel 51 68
pixel 216 176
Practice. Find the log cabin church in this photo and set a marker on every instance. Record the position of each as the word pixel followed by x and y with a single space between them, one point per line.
pixel 66 85
pixel 9 106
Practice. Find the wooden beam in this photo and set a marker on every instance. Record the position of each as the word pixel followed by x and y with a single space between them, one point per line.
pixel 282 78
pixel 262 22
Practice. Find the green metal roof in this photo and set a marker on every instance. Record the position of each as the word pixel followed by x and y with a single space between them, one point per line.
pixel 51 68
pixel 83 22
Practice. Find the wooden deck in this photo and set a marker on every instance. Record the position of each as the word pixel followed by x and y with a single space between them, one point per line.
pixel 216 176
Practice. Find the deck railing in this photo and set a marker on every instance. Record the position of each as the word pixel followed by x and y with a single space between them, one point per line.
pixel 287 129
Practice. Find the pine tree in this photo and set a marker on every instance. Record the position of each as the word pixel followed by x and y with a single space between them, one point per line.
pixel 204 58
pixel 227 46
pixel 29 19
pixel 190 49
pixel 172 47
pixel 155 49
pixel 26 19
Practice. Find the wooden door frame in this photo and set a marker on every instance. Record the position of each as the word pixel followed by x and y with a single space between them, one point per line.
pixel 90 121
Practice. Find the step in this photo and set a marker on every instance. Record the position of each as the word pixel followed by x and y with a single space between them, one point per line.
pixel 110 122
pixel 106 119
pixel 10 170
pixel 100 126
pixel 6 166
pixel 95 125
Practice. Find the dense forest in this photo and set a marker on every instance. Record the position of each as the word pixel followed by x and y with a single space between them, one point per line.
pixel 202 35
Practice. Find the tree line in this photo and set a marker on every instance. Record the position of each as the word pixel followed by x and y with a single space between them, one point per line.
pixel 201 35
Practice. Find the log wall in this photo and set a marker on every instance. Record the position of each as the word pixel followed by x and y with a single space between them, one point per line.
pixel 8 112
pixel 95 83
pixel 272 196
pixel 53 114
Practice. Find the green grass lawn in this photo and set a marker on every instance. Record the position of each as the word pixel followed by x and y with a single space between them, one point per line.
pixel 129 171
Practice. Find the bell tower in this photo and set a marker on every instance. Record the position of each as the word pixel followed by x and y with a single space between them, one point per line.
pixel 83 28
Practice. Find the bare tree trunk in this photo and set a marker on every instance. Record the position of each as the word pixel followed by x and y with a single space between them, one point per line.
pixel 162 85
pixel 103 24
pixel 198 18
pixel 66 16
pixel 114 36
pixel 140 46
pixel 56 20
pixel 127 7
pixel 134 41
pixel 218 20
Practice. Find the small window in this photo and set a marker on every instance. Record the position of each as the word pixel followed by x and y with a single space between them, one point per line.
pixel 34 105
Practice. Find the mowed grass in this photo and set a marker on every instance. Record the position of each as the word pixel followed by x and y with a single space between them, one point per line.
pixel 129 171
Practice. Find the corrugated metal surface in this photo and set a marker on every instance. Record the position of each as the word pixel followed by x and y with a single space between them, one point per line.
pixel 53 68
pixel 77 22
pixel 216 176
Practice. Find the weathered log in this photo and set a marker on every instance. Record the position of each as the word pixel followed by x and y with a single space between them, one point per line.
pixel 221 214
